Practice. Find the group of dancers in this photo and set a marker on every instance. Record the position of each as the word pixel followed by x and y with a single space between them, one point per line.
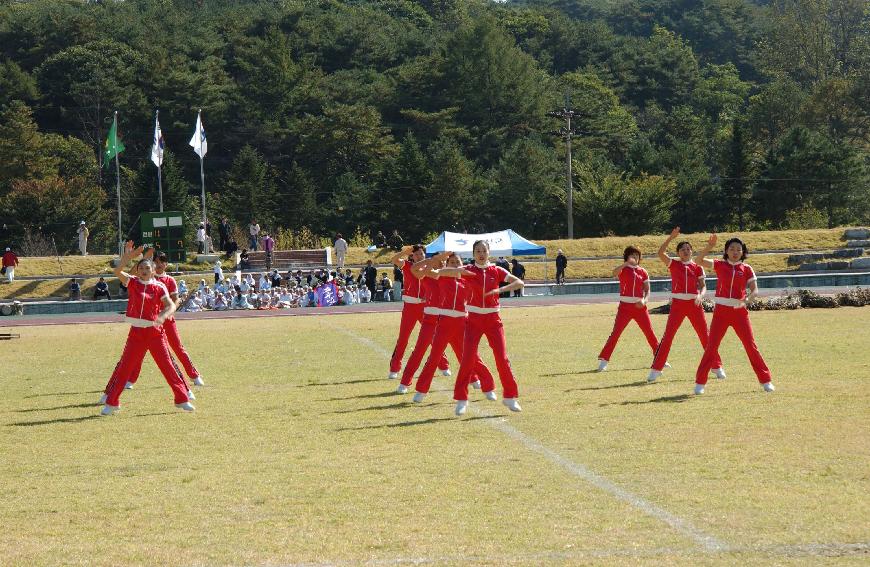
pixel 457 305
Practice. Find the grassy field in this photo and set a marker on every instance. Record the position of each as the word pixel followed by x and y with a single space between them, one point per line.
pixel 299 452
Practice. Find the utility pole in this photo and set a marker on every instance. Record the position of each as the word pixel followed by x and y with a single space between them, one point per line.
pixel 566 133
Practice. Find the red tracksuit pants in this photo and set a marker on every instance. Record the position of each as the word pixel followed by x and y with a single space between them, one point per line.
pixel 477 326
pixel 140 341
pixel 738 318
pixel 174 340
pixel 625 314
pixel 681 309
pixel 412 313
pixel 451 331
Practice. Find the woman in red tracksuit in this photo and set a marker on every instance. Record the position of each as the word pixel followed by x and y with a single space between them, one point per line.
pixel 412 308
pixel 688 286
pixel 733 275
pixel 450 329
pixel 148 307
pixel 633 297
pixel 483 319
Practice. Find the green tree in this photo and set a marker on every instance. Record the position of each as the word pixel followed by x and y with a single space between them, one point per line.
pixel 615 204
pixel 400 200
pixel 22 154
pixel 249 190
pixel 738 179
pixel 15 83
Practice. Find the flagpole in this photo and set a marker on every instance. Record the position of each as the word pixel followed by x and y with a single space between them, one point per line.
pixel 201 168
pixel 118 187
pixel 160 160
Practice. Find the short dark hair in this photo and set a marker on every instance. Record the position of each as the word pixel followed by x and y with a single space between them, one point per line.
pixel 161 257
pixel 735 240
pixel 416 247
pixel 684 243
pixel 632 251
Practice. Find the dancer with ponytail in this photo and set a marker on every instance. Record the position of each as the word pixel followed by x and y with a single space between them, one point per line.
pixel 688 286
pixel 733 276
pixel 484 319
pixel 412 308
pixel 633 296
pixel 148 307
pixel 452 319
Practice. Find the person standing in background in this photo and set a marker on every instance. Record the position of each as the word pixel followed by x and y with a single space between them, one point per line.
pixel 83 238
pixel 519 271
pixel 561 264
pixel 254 232
pixel 200 238
pixel 340 246
pixel 268 246
pixel 224 233
pixel 10 260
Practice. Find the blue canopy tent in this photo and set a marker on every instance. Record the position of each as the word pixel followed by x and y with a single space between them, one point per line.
pixel 502 243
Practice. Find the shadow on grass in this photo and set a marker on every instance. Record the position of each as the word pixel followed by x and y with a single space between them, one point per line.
pixel 61 394
pixel 364 396
pixel 413 423
pixel 402 404
pixel 55 421
pixel 159 413
pixel 611 387
pixel 592 371
pixel 343 383
pixel 70 406
pixel 666 399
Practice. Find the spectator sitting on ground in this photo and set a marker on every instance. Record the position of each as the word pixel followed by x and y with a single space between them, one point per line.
pixel 264 283
pixel 202 285
pixel 75 290
pixel 276 278
pixel 101 290
pixel 365 295
pixel 380 240
pixel 348 277
pixel 264 299
pixel 386 286
pixel 244 302
pixel 244 286
pixel 220 302
pixel 244 260
pixel 396 241
pixel 182 288
pixel 209 299
pixel 193 303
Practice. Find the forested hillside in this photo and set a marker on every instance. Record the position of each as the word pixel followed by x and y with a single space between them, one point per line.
pixel 422 116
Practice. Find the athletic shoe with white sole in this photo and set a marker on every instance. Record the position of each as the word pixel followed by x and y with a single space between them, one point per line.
pixel 602 365
pixel 476 384
pixel 719 373
pixel 699 389
pixel 446 372
pixel 392 375
pixel 512 404
pixel 461 406
pixel 402 389
pixel 419 397
pixel 198 381
pixel 653 376
pixel 186 406
pixel 667 364
pixel 190 395
pixel 128 386
pixel 103 399
pixel 491 395
pixel 109 410
pixel 768 387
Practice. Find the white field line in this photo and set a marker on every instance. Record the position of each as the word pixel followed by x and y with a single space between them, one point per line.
pixel 706 541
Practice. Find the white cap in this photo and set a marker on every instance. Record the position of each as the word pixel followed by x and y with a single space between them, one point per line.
pixel 83 222
pixel 9 249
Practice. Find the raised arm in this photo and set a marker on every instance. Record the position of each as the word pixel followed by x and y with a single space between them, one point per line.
pixel 700 257
pixel 619 268
pixel 663 249
pixel 398 259
pixel 129 254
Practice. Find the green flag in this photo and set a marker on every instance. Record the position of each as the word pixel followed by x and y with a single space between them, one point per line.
pixel 113 145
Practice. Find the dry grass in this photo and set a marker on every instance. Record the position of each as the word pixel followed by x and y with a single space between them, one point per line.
pixel 299 452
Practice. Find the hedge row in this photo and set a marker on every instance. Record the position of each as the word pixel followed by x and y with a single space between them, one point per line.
pixel 799 299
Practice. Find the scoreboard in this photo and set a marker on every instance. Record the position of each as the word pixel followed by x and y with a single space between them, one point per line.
pixel 164 232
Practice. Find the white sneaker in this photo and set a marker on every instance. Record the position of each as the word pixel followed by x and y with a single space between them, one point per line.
pixel 419 397
pixel 719 373
pixel 667 364
pixel 461 406
pixel 402 389
pixel 491 395
pixel 512 404
pixel 103 398
pixel 109 410
pixel 476 384
pixel 602 365
pixel 186 406
pixel 768 387
pixel 699 389
pixel 653 376
pixel 392 375
pixel 128 386
pixel 190 395
pixel 198 381
pixel 446 372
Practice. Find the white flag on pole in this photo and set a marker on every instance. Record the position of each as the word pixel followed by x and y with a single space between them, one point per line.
pixel 198 141
pixel 158 146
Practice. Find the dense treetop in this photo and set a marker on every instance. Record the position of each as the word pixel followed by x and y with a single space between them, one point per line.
pixel 431 115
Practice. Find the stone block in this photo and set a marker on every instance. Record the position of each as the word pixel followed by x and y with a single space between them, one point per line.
pixel 862 263
pixel 858 244
pixel 857 234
